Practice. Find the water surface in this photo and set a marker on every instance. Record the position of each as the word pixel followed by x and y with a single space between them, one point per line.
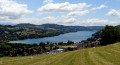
pixel 73 36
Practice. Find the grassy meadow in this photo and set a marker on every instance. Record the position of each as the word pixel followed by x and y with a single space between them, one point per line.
pixel 104 55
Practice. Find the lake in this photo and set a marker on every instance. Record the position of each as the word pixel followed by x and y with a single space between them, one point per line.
pixel 73 36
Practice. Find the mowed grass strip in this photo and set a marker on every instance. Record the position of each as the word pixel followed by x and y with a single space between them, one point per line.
pixel 104 55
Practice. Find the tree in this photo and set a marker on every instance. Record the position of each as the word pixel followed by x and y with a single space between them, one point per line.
pixel 34 44
pixel 51 45
pixel 42 44
pixel 70 42
pixel 56 47
pixel 48 43
pixel 110 34
pixel 60 43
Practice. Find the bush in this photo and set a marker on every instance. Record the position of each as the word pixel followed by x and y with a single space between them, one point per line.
pixel 1 55
pixel 70 49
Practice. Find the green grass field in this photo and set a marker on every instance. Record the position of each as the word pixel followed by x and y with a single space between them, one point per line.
pixel 105 55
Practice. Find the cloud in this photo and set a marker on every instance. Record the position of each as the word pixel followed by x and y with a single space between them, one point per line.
pixel 96 22
pixel 78 13
pixel 10 9
pixel 63 20
pixel 113 12
pixel 100 7
pixel 62 7
pixel 47 1
pixel 12 12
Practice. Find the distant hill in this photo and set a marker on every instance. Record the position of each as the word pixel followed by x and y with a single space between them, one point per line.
pixel 24 25
pixel 88 28
pixel 118 25
pixel 104 55
pixel 56 26
pixel 53 26
pixel 77 28
pixel 95 27
pixel 27 30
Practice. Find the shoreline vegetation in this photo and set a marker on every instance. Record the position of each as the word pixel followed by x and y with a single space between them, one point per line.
pixel 18 49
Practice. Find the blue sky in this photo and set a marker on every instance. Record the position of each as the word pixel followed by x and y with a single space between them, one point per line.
pixel 63 12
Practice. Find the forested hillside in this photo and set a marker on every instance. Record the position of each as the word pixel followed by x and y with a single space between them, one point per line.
pixel 26 30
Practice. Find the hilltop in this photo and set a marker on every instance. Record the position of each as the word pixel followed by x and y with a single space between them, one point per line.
pixel 24 25
pixel 56 26
pixel 104 55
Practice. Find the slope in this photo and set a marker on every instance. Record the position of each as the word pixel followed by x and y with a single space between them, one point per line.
pixel 104 55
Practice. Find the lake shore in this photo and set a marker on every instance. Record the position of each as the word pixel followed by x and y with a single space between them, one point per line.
pixel 73 36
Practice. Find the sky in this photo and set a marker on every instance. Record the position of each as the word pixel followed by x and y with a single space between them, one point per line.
pixel 62 12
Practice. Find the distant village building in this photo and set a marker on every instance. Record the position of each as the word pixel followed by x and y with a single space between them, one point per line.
pixel 60 50
pixel 56 51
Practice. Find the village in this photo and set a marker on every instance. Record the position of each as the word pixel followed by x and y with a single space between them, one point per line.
pixel 48 48
pixel 78 45
pixel 71 47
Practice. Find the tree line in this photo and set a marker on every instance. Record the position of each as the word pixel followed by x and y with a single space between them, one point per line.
pixel 18 49
pixel 110 34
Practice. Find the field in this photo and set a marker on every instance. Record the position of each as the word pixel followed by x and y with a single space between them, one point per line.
pixel 105 55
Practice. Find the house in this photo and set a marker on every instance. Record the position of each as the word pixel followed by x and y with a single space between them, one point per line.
pixel 55 51
pixel 60 50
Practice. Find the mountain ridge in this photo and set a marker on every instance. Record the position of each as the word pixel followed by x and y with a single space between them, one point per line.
pixel 60 26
